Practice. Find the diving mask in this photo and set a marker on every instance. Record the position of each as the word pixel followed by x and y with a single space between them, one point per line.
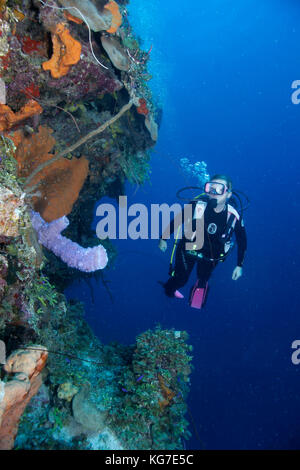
pixel 214 188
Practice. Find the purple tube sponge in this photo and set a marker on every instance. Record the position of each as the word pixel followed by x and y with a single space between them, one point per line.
pixel 74 255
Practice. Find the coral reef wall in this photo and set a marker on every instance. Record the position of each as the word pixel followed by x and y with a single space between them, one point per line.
pixel 67 69
pixel 77 119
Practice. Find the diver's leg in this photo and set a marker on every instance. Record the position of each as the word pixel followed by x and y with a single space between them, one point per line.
pixel 183 267
pixel 204 271
pixel 199 291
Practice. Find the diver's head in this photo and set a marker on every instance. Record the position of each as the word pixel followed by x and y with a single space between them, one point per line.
pixel 219 189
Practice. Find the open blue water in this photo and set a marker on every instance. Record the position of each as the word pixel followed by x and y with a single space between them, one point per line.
pixel 223 71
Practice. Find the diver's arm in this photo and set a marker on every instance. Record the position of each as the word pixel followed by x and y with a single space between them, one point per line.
pixel 174 224
pixel 179 219
pixel 241 239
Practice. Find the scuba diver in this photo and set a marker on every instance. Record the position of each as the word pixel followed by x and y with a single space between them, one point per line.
pixel 214 221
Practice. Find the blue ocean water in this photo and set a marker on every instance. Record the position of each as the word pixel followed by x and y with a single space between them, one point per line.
pixel 222 73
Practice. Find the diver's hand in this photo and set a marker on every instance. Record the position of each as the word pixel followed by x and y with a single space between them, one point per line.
pixel 237 273
pixel 162 245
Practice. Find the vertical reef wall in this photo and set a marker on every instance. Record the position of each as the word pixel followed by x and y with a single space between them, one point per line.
pixel 77 119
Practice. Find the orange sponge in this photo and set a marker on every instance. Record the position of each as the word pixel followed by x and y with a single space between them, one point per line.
pixel 66 52
pixel 113 7
pixel 8 118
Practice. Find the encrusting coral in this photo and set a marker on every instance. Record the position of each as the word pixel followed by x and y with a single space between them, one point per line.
pixel 66 52
pixel 8 118
pixel 66 391
pixel 10 213
pixel 168 394
pixel 142 108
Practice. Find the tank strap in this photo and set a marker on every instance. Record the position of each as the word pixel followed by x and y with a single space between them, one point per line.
pixel 232 217
pixel 232 210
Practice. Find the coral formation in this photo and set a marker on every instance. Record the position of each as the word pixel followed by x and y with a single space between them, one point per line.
pixel 94 396
pixel 58 184
pixel 142 108
pixel 66 52
pixel 168 394
pixel 97 19
pixel 154 387
pixel 152 127
pixel 86 413
pixel 9 119
pixel 116 21
pixel 115 52
pixel 10 212
pixel 74 129
pixel 25 367
pixel 72 18
pixel 66 391
pixel 32 46
pixel 2 92
pixel 75 256
pixel 129 397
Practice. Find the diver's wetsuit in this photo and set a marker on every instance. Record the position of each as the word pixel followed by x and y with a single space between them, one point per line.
pixel 212 249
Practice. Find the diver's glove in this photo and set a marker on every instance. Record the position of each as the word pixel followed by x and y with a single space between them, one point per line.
pixel 162 245
pixel 237 273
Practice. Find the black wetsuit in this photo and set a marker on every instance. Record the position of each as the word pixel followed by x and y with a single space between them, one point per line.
pixel 212 250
